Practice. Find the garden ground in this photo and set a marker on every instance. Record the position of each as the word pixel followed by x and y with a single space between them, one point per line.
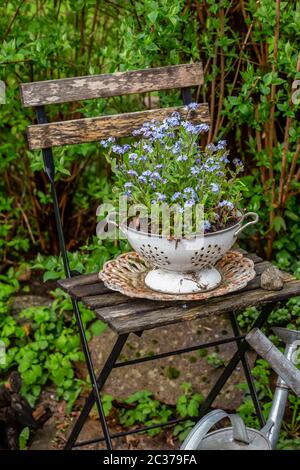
pixel 162 377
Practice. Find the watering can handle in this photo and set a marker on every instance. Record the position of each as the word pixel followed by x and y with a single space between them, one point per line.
pixel 251 222
pixel 205 424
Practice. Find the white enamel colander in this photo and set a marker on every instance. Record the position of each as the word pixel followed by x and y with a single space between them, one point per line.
pixel 185 265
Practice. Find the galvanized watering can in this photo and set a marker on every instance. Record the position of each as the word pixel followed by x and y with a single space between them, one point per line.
pixel 238 436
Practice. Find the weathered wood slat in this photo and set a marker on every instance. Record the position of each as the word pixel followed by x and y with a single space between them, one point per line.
pixel 115 84
pixel 98 288
pixel 261 266
pixel 165 316
pixel 137 306
pixel 111 298
pixel 254 257
pixel 80 280
pixel 128 308
pixel 78 131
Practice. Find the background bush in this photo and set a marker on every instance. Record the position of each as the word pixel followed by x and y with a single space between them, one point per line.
pixel 250 53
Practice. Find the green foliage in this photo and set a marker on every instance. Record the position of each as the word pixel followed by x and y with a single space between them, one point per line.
pixel 202 352
pixel 157 33
pixel 292 426
pixel 107 403
pixel 263 379
pixel 215 360
pixel 182 430
pixel 142 408
pixel 188 403
pixel 287 316
pixel 172 373
pixel 56 40
pixel 166 165
pixel 89 259
pixel 43 343
pixel 23 438
pixel 146 410
pixel 50 40
pixel 288 444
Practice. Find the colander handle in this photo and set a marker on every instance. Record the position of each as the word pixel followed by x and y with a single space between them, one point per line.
pixel 105 225
pixel 251 222
pixel 201 429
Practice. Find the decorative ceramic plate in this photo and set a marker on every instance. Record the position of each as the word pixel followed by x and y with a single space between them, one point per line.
pixel 126 274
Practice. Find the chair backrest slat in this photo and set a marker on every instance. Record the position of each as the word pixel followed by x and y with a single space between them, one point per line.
pixel 92 129
pixel 106 85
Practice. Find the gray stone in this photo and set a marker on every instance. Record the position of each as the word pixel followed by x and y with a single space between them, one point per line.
pixel 20 302
pixel 271 279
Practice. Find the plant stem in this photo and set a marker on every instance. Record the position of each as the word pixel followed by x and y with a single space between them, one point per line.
pixel 270 134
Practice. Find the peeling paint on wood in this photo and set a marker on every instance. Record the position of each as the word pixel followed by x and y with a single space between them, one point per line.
pixel 78 131
pixel 115 84
pixel 141 321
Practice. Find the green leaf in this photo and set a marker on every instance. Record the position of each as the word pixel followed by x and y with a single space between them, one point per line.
pixel 51 275
pixel 98 327
pixel 193 408
pixel 153 16
pixel 107 404
pixel 172 373
pixel 23 438
pixel 265 90
pixel 292 216
pixel 279 223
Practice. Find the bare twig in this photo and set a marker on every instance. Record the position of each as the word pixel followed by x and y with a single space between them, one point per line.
pixel 270 134
pixel 238 67
pixel 291 172
pixel 272 110
pixel 12 21
pixel 244 13
pixel 136 15
pixel 82 30
pixel 92 36
pixel 284 159
pixel 26 223
pixel 222 81
pixel 284 189
pixel 212 94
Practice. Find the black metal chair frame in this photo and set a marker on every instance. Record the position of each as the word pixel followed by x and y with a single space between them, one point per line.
pixel 111 362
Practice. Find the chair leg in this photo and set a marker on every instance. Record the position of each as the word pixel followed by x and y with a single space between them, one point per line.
pixel 92 375
pixel 232 364
pixel 247 372
pixel 106 370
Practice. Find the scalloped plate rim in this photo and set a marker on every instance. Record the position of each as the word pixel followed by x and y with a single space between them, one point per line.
pixel 160 296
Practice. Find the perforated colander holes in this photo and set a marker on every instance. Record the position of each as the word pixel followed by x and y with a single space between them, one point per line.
pixel 211 254
pixel 152 253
